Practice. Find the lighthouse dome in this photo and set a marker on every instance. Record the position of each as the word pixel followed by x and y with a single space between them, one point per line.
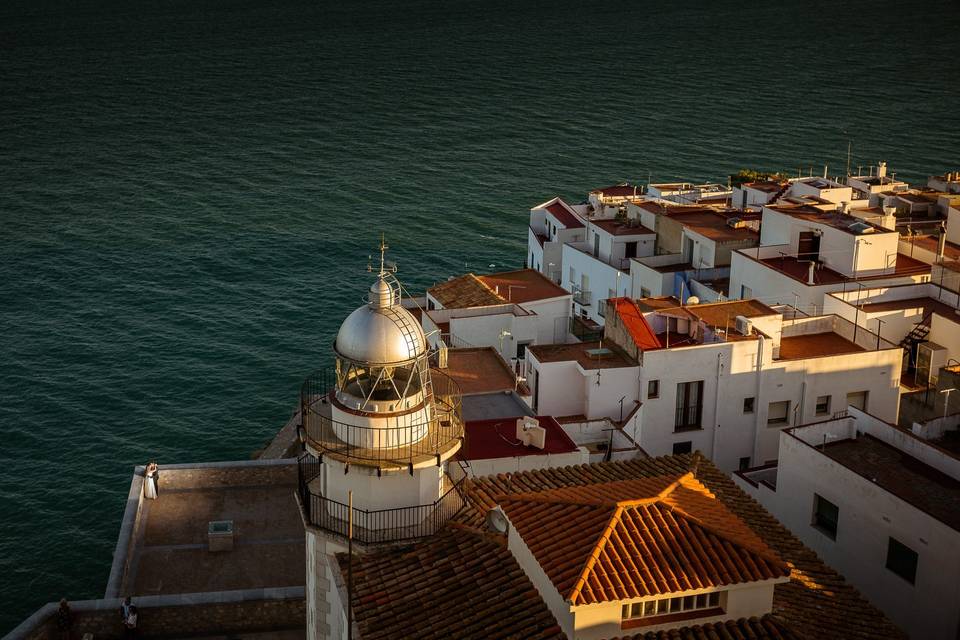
pixel 381 332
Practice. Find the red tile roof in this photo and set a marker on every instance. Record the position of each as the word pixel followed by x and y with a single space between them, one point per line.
pixel 564 216
pixel 816 603
pixel 636 538
pixel 458 584
pixel 637 326
pixel 469 290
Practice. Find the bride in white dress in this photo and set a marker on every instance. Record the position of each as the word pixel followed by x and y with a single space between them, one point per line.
pixel 150 482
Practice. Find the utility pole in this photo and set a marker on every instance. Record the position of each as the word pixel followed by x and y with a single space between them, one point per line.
pixel 350 565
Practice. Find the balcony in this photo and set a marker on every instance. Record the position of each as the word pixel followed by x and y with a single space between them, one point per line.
pixel 585 329
pixel 583 298
pixel 423 443
pixel 375 526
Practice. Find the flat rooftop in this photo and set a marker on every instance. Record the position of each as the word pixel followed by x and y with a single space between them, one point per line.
pixel 497 405
pixel 815 345
pixel 833 219
pixel 929 305
pixel 951 251
pixel 169 551
pixel 768 186
pixel 479 370
pixel 799 269
pixel 714 225
pixel 589 355
pixel 488 439
pixel 617 227
pixel 906 477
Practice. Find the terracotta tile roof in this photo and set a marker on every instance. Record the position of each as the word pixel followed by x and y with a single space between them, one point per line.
pixel 564 216
pixel 523 285
pixel 457 584
pixel 618 227
pixel 636 538
pixel 637 326
pixel 765 628
pixel 618 190
pixel 466 291
pixel 815 603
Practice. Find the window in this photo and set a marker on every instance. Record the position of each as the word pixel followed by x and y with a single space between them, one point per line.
pixel 682 447
pixel 744 463
pixel 823 405
pixel 748 405
pixel 778 413
pixel 689 405
pixel 902 560
pixel 653 389
pixel 430 305
pixel 630 250
pixel 825 516
pixel 676 604
pixel 644 293
pixel 745 292
pixel 573 276
pixel 858 399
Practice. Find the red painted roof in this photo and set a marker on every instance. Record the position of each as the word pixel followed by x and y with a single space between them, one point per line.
pixel 486 439
pixel 638 327
pixel 563 215
pixel 619 190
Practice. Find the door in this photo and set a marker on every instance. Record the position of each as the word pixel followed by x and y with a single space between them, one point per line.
pixel 630 250
pixel 809 246
pixel 596 245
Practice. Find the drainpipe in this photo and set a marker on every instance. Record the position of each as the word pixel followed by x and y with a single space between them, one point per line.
pixel 716 408
pixel 757 403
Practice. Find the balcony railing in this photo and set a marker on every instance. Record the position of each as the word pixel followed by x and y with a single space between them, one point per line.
pixel 380 525
pixel 585 329
pixel 688 418
pixel 582 297
pixel 394 441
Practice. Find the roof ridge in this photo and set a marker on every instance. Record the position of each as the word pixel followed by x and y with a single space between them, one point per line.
pixel 486 286
pixel 595 554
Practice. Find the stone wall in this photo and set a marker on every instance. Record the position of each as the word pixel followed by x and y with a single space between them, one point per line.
pixel 176 616
pixel 220 474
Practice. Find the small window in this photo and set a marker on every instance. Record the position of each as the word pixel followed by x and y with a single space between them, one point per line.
pixel 825 516
pixel 902 560
pixel 653 389
pixel 745 292
pixel 430 305
pixel 522 349
pixel 748 405
pixel 778 413
pixel 644 293
pixel 858 399
pixel 744 463
pixel 823 405
pixel 573 275
pixel 682 447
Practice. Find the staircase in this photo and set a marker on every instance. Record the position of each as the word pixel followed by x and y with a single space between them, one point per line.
pixel 917 334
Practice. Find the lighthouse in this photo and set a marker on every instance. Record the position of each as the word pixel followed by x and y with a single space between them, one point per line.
pixel 378 431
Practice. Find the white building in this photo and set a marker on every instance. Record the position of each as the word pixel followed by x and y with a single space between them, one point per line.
pixel 879 504
pixel 720 378
pixel 552 224
pixel 807 251
pixel 510 311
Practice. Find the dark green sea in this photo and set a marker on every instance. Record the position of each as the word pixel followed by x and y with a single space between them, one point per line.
pixel 189 192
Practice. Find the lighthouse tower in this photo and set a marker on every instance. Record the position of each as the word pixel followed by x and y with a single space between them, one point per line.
pixel 378 431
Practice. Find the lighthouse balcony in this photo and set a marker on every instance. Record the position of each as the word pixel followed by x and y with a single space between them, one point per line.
pixel 374 526
pixel 425 435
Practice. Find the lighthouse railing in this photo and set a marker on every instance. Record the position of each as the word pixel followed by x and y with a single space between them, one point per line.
pixel 391 440
pixel 378 526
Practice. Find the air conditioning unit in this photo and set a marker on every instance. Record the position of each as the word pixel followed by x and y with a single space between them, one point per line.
pixel 744 325
pixel 530 433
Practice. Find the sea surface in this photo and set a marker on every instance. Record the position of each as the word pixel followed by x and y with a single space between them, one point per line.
pixel 189 192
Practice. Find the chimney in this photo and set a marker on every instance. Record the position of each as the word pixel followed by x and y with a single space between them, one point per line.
pixel 810 270
pixel 941 245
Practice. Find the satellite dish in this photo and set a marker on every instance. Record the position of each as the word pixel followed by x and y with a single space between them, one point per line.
pixel 693 300
pixel 496 521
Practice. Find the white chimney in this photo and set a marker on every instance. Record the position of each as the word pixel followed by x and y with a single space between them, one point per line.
pixel 810 270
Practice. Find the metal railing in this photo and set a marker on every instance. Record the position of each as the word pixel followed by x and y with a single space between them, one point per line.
pixel 393 440
pixel 380 525
pixel 582 297
pixel 688 418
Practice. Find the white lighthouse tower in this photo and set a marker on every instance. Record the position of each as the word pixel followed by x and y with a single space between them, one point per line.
pixel 378 432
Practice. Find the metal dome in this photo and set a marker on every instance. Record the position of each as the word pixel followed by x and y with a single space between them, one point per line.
pixel 381 332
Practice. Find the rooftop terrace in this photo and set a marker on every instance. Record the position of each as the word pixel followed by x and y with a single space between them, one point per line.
pixel 589 355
